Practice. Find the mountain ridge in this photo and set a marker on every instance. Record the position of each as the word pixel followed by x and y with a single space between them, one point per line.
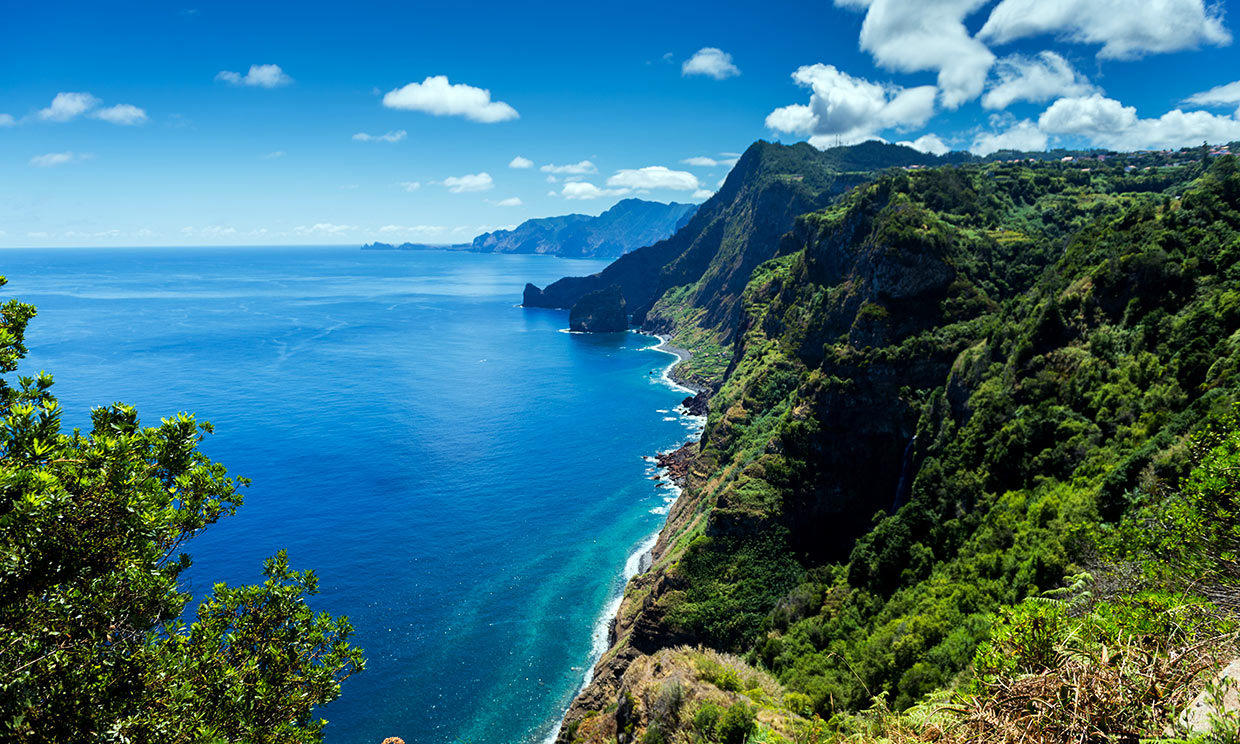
pixel 627 225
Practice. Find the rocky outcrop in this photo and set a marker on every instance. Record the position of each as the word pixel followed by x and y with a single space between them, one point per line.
pixel 697 405
pixel 599 312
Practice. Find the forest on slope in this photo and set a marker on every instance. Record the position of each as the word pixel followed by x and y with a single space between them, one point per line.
pixel 971 425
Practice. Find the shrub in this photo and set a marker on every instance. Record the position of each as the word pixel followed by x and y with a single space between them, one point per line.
pixel 736 724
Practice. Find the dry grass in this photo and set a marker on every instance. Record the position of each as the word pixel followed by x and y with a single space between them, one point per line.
pixel 1117 694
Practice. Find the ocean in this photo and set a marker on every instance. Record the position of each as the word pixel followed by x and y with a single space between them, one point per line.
pixel 465 477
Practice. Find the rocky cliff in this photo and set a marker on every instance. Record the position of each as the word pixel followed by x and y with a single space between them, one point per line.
pixel 931 383
pixel 599 312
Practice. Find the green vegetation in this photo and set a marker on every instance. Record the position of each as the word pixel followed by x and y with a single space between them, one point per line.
pixel 92 527
pixel 973 452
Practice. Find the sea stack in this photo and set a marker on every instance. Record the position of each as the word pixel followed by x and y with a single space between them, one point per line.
pixel 599 312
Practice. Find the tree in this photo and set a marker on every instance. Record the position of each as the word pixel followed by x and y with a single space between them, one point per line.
pixel 92 527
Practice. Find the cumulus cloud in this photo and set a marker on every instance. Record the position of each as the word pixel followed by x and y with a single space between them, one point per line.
pixel 393 136
pixel 122 114
pixel 851 109
pixel 654 177
pixel 929 143
pixel 1036 79
pixel 711 62
pixel 702 194
pixel 583 190
pixel 512 201
pixel 583 167
pixel 410 185
pixel 59 158
pixel 435 95
pixel 1090 115
pixel 701 162
pixel 467 183
pixel 1125 29
pixel 1108 123
pixel 914 35
pixel 259 76
pixel 66 106
pixel 1222 95
pixel 521 163
pixel 1024 135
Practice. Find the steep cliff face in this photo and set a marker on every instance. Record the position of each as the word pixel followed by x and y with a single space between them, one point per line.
pixel 599 312
pixel 732 232
pixel 933 379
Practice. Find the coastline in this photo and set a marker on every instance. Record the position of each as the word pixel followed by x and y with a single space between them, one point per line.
pixel 639 560
pixel 682 355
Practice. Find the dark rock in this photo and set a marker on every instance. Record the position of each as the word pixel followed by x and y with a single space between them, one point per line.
pixel 697 405
pixel 677 461
pixel 599 312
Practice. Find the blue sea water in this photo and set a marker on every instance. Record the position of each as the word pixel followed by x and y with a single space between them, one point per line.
pixel 465 478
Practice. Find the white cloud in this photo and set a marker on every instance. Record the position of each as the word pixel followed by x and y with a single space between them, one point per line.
pixel 583 190
pixel 410 185
pixel 7 120
pixel 59 158
pixel 1036 79
pixel 1092 115
pixel 584 166
pixel 435 95
pixel 324 228
pixel 929 143
pixel 521 163
pixel 66 106
pixel 711 62
pixel 394 136
pixel 122 114
pixel 552 179
pixel 702 194
pixel 915 35
pixel 471 182
pixel 1108 123
pixel 1125 29
pixel 701 162
pixel 259 76
pixel 654 177
pixel 1024 135
pixel 273 155
pixel 415 229
pixel 851 109
pixel 1221 95
pixel 511 201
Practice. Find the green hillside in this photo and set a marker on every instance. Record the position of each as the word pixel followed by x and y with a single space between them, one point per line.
pixel 949 392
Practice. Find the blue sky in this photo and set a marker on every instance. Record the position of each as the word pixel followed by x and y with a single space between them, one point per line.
pixel 227 123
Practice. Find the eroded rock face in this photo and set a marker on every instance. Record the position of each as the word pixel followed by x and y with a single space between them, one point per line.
pixel 600 312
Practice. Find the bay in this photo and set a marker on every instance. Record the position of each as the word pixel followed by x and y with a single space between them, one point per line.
pixel 465 478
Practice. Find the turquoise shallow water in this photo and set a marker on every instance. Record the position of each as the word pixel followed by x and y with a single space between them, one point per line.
pixel 466 479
